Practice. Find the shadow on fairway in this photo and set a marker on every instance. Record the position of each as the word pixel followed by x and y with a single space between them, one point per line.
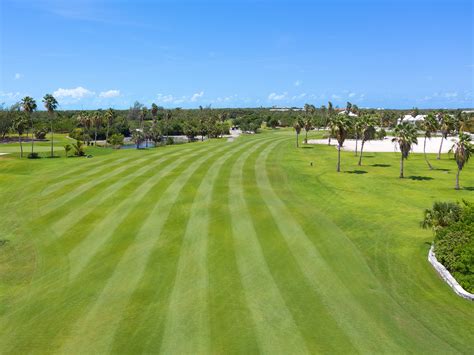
pixel 307 147
pixel 441 169
pixel 468 188
pixel 420 178
pixel 381 165
pixel 358 172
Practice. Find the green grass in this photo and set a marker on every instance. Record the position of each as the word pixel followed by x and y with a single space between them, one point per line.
pixel 222 247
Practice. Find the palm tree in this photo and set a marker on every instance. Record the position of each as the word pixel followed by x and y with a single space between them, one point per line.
pixel 308 125
pixel 297 126
pixel 29 105
pixel 367 127
pixel 154 112
pixel 109 118
pixel 20 124
pixel 330 114
pixel 50 103
pixel 143 114
pixel 137 137
pixel 67 149
pixel 96 121
pixel 430 126
pixel 341 125
pixel 405 136
pixel 463 149
pixel 441 215
pixel 357 124
pixel 446 126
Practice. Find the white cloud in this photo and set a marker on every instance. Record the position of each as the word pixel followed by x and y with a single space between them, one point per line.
pixel 299 97
pixel 77 93
pixel 10 96
pixel 450 95
pixel 298 83
pixel 165 98
pixel 109 93
pixel 275 97
pixel 197 96
pixel 336 97
pixel 18 76
pixel 352 94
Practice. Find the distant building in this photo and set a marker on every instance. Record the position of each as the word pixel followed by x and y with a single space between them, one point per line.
pixel 285 109
pixel 350 114
pixel 411 119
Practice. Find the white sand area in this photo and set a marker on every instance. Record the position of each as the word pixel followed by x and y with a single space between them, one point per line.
pixel 386 145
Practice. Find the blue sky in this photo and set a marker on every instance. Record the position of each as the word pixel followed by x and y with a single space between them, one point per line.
pixel 90 54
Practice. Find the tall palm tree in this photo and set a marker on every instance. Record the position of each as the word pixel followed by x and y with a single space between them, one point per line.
pixel 357 125
pixel 154 112
pixel 20 124
pixel 446 123
pixel 341 126
pixel 329 120
pixel 50 103
pixel 430 126
pixel 297 126
pixel 109 117
pixel 308 125
pixel 29 105
pixel 143 114
pixel 96 121
pixel 405 136
pixel 367 127
pixel 463 149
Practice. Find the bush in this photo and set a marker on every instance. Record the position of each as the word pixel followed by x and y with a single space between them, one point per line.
pixel 41 134
pixel 454 239
pixel 79 149
pixel 33 155
pixel 116 140
pixel 169 140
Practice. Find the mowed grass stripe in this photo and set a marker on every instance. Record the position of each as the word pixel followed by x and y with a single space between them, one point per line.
pixel 130 268
pixel 86 249
pixel 352 318
pixel 275 327
pixel 321 332
pixel 87 169
pixel 232 329
pixel 69 179
pixel 66 196
pixel 100 236
pixel 65 222
pixel 144 316
pixel 187 321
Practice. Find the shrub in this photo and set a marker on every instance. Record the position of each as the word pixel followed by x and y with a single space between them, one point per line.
pixel 79 149
pixel 33 155
pixel 453 226
pixel 169 140
pixel 41 134
pixel 116 140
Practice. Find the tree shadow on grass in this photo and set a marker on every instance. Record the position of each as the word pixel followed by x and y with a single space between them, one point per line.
pixel 468 188
pixel 358 172
pixel 441 169
pixel 381 165
pixel 420 178
pixel 307 147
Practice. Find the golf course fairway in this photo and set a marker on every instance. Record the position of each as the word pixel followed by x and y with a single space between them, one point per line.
pixel 250 246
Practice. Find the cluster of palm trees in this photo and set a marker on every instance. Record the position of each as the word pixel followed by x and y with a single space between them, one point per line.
pixel 92 121
pixel 21 123
pixel 363 127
